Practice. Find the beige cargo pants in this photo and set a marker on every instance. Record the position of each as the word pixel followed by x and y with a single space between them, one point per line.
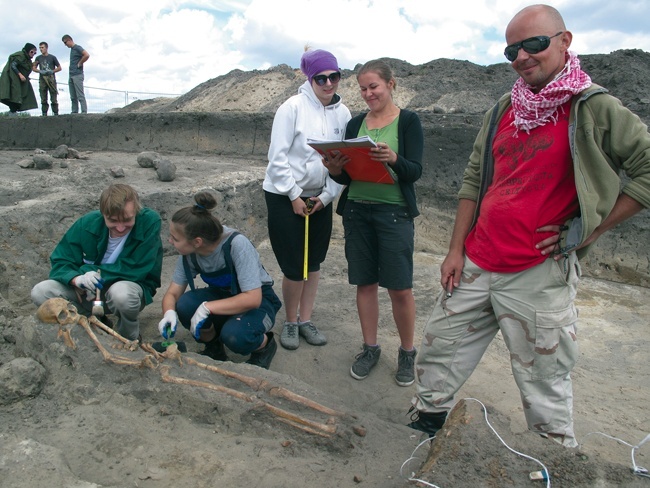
pixel 535 312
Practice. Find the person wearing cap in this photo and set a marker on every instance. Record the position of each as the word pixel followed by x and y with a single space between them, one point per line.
pixel 297 185
pixel 15 89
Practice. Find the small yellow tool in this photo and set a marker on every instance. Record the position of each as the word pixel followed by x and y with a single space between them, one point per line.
pixel 305 272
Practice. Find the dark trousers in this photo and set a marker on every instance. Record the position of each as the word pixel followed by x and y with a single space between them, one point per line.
pixel 287 236
pixel 242 333
pixel 45 88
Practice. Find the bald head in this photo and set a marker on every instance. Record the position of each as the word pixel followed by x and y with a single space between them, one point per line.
pixel 538 66
pixel 541 16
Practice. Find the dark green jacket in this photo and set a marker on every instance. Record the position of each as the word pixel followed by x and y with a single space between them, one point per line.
pixel 12 89
pixel 84 244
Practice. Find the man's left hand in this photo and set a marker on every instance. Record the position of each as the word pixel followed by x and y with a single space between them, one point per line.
pixel 316 205
pixel 552 245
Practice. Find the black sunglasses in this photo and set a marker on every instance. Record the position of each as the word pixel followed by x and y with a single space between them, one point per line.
pixel 532 45
pixel 321 80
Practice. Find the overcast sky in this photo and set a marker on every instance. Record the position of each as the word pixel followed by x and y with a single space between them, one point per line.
pixel 171 46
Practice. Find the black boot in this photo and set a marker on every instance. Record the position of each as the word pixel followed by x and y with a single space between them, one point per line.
pixel 263 357
pixel 429 423
pixel 215 350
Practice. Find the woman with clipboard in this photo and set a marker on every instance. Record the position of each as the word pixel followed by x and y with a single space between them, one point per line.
pixel 378 218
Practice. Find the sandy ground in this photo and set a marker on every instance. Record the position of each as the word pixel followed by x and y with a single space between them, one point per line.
pixel 99 424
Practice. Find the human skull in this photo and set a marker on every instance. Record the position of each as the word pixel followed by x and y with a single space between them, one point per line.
pixel 57 311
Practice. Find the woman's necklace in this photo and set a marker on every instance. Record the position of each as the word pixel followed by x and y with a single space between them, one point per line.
pixel 384 121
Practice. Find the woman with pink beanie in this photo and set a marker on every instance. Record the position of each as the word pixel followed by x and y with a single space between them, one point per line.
pixel 297 184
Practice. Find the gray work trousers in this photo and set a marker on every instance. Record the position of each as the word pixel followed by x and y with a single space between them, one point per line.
pixel 77 96
pixel 124 299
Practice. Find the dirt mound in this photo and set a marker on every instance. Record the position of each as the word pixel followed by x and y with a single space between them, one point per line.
pixel 440 86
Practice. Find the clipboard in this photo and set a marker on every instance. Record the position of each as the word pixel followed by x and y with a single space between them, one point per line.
pixel 361 166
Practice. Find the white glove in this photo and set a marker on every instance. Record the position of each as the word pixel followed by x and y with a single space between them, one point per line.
pixel 89 281
pixel 198 320
pixel 170 320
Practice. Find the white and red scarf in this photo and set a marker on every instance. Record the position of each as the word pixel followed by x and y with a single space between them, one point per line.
pixel 536 109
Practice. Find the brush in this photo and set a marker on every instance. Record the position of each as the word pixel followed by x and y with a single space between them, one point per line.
pixel 98 305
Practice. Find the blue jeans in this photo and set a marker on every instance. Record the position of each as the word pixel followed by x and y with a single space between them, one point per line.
pixel 242 333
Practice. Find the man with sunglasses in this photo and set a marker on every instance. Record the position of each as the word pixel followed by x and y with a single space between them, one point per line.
pixel 540 188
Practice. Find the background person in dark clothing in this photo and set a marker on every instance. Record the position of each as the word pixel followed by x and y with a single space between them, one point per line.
pixel 46 65
pixel 15 90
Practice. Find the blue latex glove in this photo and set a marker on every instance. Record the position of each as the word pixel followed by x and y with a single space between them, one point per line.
pixel 198 320
pixel 46 72
pixel 89 281
pixel 168 324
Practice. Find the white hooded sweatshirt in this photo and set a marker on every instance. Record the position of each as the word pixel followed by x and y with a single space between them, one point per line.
pixel 294 168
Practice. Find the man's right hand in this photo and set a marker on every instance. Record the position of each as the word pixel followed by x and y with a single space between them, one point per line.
pixel 169 322
pixel 299 207
pixel 451 270
pixel 89 281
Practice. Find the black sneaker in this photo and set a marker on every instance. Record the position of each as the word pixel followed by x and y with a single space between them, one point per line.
pixel 365 361
pixel 427 422
pixel 405 375
pixel 263 357
pixel 215 350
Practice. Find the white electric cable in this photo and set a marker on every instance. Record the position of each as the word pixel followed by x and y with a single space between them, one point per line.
pixel 638 470
pixel 545 470
pixel 411 478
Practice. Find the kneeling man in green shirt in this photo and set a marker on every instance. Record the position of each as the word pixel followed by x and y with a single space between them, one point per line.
pixel 116 249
